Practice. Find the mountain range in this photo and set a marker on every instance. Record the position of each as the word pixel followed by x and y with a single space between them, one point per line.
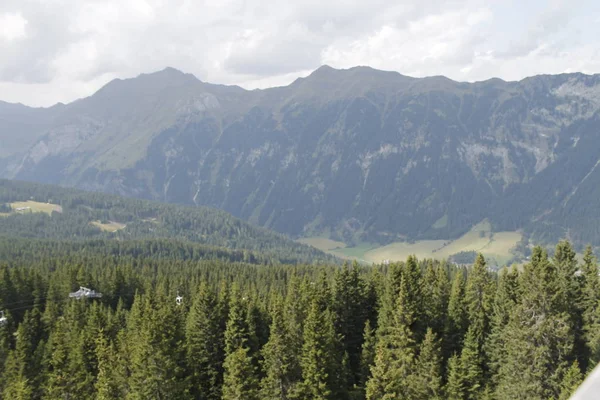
pixel 358 155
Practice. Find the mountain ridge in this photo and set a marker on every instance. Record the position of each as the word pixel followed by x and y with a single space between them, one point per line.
pixel 172 71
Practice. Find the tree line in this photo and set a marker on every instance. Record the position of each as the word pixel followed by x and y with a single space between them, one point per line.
pixel 420 329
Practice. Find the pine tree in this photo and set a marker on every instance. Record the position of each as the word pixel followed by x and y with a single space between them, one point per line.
pixel 17 383
pixel 348 306
pixel 455 389
pixel 569 296
pixel 58 382
pixel 426 380
pixel 205 346
pixel 570 382
pixel 318 356
pixel 237 332
pixel 590 305
pixel 295 311
pixel 240 382
pixel 505 300
pixel 81 376
pixel 258 330
pixel 5 341
pixel 539 337
pixel 412 280
pixel 367 357
pixel 395 354
pixel 156 361
pixel 478 295
pixel 568 290
pixel 436 291
pixel 24 370
pixel 592 330
pixel 457 322
pixel 281 368
pixel 471 362
pixel 17 387
pixel 239 379
pixel 109 383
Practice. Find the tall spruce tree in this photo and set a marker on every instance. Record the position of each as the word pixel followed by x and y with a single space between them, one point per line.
pixel 59 384
pixel 367 357
pixel 457 321
pixel 412 280
pixel 426 380
pixel 478 295
pixel 204 343
pixel 395 353
pixel 240 379
pixel 505 300
pixel 436 290
pixel 455 386
pixel 156 363
pixel 590 304
pixel 539 336
pixel 569 296
pixel 348 306
pixel 318 359
pixel 110 383
pixel 281 368
pixel 18 374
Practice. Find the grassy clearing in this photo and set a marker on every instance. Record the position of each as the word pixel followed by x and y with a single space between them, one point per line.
pixel 401 250
pixel 355 252
pixel 111 226
pixel 480 238
pixel 34 206
pixel 323 244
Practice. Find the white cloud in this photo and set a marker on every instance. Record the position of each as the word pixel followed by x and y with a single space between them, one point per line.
pixel 66 49
pixel 12 26
pixel 419 48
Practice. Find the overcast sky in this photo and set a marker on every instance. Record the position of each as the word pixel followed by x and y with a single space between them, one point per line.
pixel 60 50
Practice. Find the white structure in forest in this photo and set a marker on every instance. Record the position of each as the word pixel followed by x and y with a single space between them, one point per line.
pixel 85 293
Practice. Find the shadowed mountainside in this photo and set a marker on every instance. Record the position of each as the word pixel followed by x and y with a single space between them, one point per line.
pixel 356 155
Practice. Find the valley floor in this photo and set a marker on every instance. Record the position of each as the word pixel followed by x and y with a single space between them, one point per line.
pixel 495 246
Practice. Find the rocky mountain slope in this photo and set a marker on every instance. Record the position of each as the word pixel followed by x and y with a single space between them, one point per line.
pixel 357 154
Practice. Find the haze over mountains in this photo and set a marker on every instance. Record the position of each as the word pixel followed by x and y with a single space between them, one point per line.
pixel 357 154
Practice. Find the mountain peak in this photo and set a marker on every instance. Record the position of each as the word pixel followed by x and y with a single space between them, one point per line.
pixel 353 81
pixel 169 74
pixel 358 72
pixel 169 71
pixel 148 83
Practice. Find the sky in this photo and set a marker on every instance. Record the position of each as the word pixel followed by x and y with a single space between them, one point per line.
pixel 60 50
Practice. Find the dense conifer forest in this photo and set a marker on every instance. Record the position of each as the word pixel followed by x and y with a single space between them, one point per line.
pixel 140 220
pixel 419 329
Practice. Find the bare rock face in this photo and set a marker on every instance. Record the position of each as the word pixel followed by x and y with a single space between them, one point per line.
pixel 359 154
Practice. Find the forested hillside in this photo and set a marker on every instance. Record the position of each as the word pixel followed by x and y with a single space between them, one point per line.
pixel 410 330
pixel 30 210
